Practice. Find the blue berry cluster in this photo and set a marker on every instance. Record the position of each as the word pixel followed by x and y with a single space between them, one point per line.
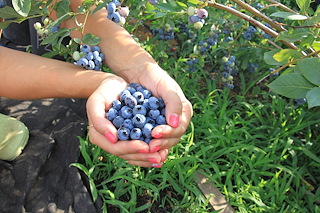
pixel 192 63
pixel 89 57
pixel 197 17
pixel 116 13
pixel 252 67
pixel 136 113
pixel 164 34
pixel 248 34
pixel 228 71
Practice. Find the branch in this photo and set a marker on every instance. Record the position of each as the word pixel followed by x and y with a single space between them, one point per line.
pixel 252 21
pixel 284 7
pixel 288 64
pixel 258 14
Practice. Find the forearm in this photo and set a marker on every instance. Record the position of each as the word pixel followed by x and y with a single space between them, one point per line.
pixel 123 54
pixel 28 76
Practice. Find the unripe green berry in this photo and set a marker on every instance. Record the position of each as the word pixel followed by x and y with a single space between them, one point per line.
pixel 224 59
pixel 230 78
pixel 37 26
pixel 46 21
pixel 76 55
pixel 198 25
pixel 191 11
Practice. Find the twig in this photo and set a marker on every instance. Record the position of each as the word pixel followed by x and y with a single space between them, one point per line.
pixel 286 65
pixel 258 14
pixel 282 6
pixel 252 21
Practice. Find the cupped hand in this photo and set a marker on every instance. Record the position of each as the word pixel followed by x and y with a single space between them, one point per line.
pixel 103 133
pixel 178 109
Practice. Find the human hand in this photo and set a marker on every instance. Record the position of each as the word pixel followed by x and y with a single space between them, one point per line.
pixel 103 133
pixel 178 108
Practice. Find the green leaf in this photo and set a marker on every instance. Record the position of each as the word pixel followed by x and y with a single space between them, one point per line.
pixel 310 154
pixel 303 5
pixel 284 56
pixel 165 7
pixel 9 13
pixel 91 39
pixel 313 97
pixel 22 6
pixel 291 85
pixel 310 69
pixel 316 46
pixel 268 58
pixel 54 36
pixel 93 189
pixel 290 16
pixel 63 8
pixel 293 35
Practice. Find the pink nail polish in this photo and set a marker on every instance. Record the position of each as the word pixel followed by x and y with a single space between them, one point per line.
pixel 157 135
pixel 155 149
pixel 174 120
pixel 155 165
pixel 153 160
pixel 110 137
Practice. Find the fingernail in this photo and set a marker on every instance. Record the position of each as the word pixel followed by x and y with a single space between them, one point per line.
pixel 156 165
pixel 157 135
pixel 110 137
pixel 174 120
pixel 143 151
pixel 155 149
pixel 153 160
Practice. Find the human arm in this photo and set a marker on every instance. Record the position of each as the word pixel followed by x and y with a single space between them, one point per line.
pixel 128 60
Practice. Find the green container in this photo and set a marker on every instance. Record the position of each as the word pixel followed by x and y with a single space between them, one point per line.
pixel 14 136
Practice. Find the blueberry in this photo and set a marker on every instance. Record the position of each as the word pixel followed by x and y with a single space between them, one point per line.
pixel 161 103
pixel 135 134
pixel 139 109
pixel 115 17
pixel 116 104
pixel 123 133
pixel 126 112
pixel 124 94
pixel 151 121
pixel 161 120
pixel 147 129
pixel 83 62
pixel 111 114
pixel 153 113
pixel 225 74
pixel 130 101
pixel 153 103
pixel 85 48
pixel 90 65
pixel 138 120
pixel 146 104
pixel 127 123
pixel 131 89
pixel 111 7
pixel 139 96
pixel 117 121
pixel 95 48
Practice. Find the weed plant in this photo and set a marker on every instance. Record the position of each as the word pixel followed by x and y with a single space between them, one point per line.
pixel 261 151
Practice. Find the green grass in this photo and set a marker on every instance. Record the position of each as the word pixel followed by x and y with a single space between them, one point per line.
pixel 261 150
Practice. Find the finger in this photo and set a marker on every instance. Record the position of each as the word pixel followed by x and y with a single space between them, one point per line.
pixel 163 154
pixel 163 143
pixel 118 149
pixel 168 90
pixel 147 157
pixel 163 131
pixel 145 164
pixel 99 102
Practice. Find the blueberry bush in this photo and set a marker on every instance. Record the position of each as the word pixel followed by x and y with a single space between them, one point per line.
pixel 251 69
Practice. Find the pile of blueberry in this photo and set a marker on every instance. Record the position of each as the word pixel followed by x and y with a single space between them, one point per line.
pixel 197 17
pixel 116 13
pixel 89 57
pixel 136 113
pixel 248 34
